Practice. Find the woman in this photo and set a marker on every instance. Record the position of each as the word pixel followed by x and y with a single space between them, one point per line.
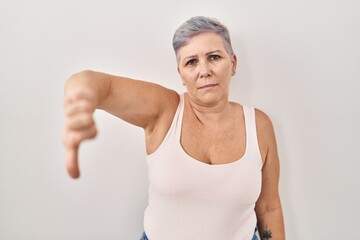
pixel 213 164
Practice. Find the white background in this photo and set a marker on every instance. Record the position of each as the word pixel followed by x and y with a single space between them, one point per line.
pixel 299 61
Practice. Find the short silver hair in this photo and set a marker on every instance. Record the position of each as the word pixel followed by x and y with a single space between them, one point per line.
pixel 196 25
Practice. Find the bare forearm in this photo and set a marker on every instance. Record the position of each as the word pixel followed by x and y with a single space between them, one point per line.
pixel 271 225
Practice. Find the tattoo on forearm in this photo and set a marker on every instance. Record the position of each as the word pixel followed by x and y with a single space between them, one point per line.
pixel 266 234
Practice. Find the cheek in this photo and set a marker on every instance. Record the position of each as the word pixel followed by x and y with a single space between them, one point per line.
pixel 187 76
pixel 225 71
pixel 182 76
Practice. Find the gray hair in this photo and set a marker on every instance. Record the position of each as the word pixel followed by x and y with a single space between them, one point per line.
pixel 197 25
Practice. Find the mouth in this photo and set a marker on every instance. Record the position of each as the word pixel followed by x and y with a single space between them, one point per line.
pixel 208 86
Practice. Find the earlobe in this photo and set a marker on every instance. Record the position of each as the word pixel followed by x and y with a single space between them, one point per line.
pixel 234 64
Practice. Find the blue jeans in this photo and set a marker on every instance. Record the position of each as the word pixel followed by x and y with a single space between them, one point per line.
pixel 144 237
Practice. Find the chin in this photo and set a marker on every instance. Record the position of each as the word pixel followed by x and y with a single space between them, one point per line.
pixel 211 98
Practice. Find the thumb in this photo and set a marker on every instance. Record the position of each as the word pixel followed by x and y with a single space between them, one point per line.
pixel 72 164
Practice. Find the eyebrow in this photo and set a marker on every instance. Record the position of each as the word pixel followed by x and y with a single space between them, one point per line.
pixel 208 53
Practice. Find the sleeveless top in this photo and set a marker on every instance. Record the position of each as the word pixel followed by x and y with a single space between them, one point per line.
pixel 189 199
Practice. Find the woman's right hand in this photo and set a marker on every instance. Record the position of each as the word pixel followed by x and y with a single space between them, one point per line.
pixel 79 106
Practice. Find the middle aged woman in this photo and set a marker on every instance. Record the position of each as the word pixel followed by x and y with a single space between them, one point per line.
pixel 213 164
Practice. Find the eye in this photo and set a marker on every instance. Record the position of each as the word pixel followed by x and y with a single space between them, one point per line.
pixel 214 57
pixel 191 62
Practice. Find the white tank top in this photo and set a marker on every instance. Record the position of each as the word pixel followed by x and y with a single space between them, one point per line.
pixel 191 200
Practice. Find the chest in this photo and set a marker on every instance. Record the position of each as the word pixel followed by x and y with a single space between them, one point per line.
pixel 220 144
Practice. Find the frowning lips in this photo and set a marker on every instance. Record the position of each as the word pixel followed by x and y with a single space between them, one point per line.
pixel 208 85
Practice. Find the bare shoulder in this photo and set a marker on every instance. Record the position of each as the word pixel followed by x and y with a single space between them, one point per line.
pixel 263 121
pixel 155 134
pixel 265 133
pixel 167 101
pixel 171 97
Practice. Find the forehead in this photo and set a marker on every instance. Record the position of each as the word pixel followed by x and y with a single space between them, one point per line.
pixel 201 44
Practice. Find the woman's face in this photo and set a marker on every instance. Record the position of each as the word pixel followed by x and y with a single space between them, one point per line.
pixel 206 68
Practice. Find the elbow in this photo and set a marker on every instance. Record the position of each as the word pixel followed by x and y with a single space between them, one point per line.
pixel 262 209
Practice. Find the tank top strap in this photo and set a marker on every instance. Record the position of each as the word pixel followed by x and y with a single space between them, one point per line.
pixel 252 144
pixel 179 117
pixel 173 133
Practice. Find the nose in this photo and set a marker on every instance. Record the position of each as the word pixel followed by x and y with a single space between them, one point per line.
pixel 204 70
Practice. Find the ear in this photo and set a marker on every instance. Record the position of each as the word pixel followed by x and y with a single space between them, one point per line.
pixel 178 69
pixel 234 64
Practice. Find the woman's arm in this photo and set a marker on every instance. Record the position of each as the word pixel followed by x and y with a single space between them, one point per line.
pixel 268 207
pixel 140 103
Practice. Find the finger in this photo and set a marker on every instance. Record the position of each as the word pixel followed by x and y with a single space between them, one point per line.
pixel 72 163
pixel 77 107
pixel 72 142
pixel 76 95
pixel 81 121
pixel 73 139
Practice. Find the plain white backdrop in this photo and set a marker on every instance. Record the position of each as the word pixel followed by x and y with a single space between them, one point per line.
pixel 299 61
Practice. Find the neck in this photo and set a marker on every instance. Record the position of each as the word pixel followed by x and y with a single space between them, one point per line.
pixel 209 113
